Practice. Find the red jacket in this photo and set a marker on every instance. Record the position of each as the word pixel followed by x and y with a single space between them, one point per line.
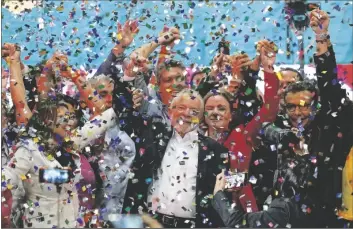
pixel 241 140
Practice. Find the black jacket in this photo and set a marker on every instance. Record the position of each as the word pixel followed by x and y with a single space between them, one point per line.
pixel 282 212
pixel 329 138
pixel 152 143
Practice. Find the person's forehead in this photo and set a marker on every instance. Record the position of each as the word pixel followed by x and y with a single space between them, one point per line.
pixel 172 71
pixel 288 75
pixel 185 99
pixel 105 81
pixel 297 96
pixel 219 99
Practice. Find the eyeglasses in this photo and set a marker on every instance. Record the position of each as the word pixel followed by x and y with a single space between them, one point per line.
pixel 292 107
pixel 193 112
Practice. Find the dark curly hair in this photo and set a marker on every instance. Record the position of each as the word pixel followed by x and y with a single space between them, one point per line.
pixel 305 85
pixel 44 117
pixel 168 63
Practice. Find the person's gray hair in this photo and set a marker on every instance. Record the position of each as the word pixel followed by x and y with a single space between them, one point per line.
pixel 93 81
pixel 192 94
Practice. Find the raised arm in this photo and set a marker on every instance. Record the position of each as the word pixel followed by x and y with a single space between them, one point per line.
pixel 94 128
pixel 330 89
pixel 88 93
pixel 245 137
pixel 113 64
pixel 17 87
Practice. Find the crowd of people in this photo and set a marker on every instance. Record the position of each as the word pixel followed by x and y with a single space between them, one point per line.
pixel 196 148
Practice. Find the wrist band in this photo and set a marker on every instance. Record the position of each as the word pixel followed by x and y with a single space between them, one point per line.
pixel 322 36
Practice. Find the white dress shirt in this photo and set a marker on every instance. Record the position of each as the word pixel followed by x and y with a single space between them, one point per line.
pixel 173 191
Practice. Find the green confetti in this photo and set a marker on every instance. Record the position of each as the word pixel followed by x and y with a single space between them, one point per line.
pixel 148 26
pixel 248 91
pixel 246 18
pixel 185 25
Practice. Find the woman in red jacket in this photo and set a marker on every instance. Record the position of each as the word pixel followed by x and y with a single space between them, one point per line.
pixel 241 140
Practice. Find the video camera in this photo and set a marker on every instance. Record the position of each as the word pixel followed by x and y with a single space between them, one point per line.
pixel 297 11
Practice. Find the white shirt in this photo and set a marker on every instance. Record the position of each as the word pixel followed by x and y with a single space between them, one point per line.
pixel 174 192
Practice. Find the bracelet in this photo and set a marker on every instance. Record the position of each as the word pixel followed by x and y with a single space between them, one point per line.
pixel 322 36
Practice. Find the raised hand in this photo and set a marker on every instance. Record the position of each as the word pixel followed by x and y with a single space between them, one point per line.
pixel 268 58
pixel 240 62
pixel 168 36
pixel 137 97
pixel 58 62
pixel 11 52
pixel 127 32
pixel 220 182
pixel 136 65
pixel 319 21
pixel 217 64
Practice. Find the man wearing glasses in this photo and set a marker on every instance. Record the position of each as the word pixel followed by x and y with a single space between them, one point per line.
pixel 322 127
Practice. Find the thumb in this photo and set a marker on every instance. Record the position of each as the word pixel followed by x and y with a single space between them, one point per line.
pixel 165 28
pixel 150 222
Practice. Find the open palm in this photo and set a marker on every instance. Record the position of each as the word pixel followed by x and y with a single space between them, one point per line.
pixel 127 32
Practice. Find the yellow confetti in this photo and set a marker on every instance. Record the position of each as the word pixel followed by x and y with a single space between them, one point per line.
pixel 60 8
pixel 23 177
pixel 279 75
pixel 50 157
pixel 168 90
pixel 84 188
pixel 195 120
pixel 324 72
pixel 119 36
pixel 9 186
pixel 66 139
pixel 35 140
pixel 302 102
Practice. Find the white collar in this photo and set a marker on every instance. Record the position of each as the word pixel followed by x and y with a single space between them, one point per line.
pixel 189 137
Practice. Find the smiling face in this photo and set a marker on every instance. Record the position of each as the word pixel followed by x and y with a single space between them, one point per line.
pixel 298 107
pixel 66 120
pixel 172 81
pixel 105 88
pixel 217 112
pixel 185 113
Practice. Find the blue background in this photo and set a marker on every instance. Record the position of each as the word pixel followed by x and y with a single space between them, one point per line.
pixel 94 20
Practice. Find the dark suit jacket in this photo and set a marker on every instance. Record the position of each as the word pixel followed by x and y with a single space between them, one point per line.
pixel 151 147
pixel 281 213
